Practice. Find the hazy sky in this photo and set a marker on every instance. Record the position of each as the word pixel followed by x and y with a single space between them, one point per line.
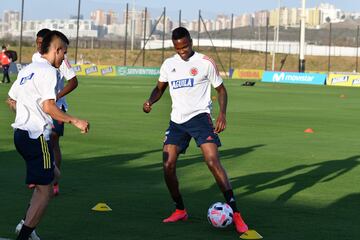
pixel 41 9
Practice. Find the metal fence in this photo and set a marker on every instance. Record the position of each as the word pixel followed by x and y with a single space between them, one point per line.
pixel 143 38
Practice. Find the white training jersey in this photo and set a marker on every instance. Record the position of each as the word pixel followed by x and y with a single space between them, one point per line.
pixel 65 71
pixel 190 85
pixel 34 84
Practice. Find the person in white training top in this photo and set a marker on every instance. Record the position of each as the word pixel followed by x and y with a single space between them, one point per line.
pixel 65 73
pixel 32 97
pixel 189 76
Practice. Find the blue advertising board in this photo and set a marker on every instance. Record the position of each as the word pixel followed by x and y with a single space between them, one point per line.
pixel 294 77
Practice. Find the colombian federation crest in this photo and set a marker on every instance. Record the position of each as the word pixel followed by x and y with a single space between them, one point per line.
pixel 194 71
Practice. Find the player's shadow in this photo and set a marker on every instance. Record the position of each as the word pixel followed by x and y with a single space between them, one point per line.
pixel 315 173
pixel 186 160
pixel 118 159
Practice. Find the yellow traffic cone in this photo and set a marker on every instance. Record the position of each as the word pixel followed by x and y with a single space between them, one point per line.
pixel 251 234
pixel 101 207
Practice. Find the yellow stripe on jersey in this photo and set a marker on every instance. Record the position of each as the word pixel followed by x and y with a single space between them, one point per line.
pixel 45 151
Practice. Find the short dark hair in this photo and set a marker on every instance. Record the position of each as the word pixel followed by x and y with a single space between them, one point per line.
pixel 179 33
pixel 43 32
pixel 49 37
pixel 3 47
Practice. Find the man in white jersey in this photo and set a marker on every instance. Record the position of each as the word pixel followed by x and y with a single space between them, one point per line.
pixel 33 98
pixel 66 72
pixel 189 76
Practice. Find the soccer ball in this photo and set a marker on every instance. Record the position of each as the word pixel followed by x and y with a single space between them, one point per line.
pixel 220 215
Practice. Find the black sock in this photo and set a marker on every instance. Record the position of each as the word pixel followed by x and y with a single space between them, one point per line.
pixel 179 204
pixel 230 199
pixel 25 233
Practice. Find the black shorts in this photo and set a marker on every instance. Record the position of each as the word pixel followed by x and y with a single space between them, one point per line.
pixel 199 127
pixel 59 125
pixel 38 157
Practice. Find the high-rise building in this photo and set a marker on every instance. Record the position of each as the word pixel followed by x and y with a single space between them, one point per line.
pixel 242 20
pixel 313 17
pixel 136 22
pixel 111 17
pixel 260 18
pixel 328 13
pixel 98 17
pixel 11 16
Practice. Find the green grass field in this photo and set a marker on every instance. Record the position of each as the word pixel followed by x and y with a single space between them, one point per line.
pixel 289 184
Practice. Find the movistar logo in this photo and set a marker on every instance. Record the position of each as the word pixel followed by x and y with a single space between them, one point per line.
pixel 182 83
pixel 280 77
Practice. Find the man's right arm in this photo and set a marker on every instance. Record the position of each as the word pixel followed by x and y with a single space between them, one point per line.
pixel 50 108
pixel 156 94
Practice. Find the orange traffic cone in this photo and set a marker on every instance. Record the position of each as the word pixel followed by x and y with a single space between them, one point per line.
pixel 309 130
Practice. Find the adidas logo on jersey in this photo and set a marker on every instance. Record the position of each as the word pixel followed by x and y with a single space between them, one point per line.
pixel 174 70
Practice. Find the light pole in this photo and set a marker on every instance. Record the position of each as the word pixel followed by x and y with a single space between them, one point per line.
pixel 302 39
pixel 77 32
pixel 21 29
pixel 276 37
pixel 133 25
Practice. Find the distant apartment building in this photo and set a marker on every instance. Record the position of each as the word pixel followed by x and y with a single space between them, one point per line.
pixel 294 17
pixel 193 25
pixel 277 17
pixel 98 17
pixel 242 20
pixel 328 13
pixel 135 24
pixel 222 22
pixel 168 25
pixel 313 17
pixel 260 18
pixel 101 18
pixel 11 20
pixel 290 17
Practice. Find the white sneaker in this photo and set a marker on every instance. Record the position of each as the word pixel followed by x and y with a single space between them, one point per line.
pixel 33 235
pixel 19 226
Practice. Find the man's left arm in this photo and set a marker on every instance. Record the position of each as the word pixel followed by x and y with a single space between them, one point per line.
pixel 222 99
pixel 69 87
pixel 11 103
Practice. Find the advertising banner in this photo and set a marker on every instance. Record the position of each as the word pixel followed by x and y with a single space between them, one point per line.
pixel 137 71
pixel 94 70
pixel 294 77
pixel 247 74
pixel 348 80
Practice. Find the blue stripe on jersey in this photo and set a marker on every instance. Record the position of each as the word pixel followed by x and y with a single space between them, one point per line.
pixel 24 79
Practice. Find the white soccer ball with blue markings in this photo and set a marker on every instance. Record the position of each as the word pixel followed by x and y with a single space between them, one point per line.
pixel 220 215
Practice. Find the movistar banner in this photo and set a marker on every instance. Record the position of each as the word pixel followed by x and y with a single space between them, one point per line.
pixel 294 77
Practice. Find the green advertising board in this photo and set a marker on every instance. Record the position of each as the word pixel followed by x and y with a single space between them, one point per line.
pixel 137 71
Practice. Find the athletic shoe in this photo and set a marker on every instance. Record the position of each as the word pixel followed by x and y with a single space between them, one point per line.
pixel 33 235
pixel 19 226
pixel 177 216
pixel 239 223
pixel 56 189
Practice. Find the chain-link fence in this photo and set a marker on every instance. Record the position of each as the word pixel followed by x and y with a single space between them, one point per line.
pixel 130 35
